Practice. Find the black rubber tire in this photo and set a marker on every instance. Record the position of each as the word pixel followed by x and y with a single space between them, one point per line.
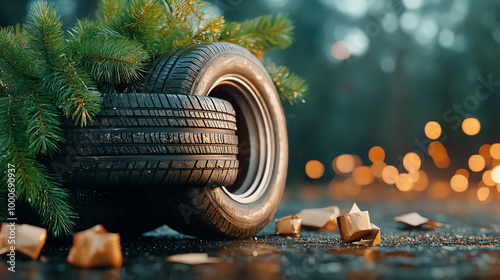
pixel 151 140
pixel 229 72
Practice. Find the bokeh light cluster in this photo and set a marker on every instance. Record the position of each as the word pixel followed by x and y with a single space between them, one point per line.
pixel 352 177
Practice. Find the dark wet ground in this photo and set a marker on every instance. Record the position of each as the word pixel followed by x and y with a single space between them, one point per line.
pixel 467 248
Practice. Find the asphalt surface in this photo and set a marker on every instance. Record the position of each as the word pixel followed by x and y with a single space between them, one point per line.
pixel 466 248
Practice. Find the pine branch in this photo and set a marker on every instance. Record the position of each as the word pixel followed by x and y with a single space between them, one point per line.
pixel 79 100
pixel 210 32
pixel 108 63
pixel 261 33
pixel 14 61
pixel 203 27
pixel 42 123
pixel 84 29
pixel 290 86
pixel 185 23
pixel 45 39
pixel 33 183
pixel 174 31
pixel 71 88
pixel 140 20
pixel 107 56
pixel 51 204
pixel 108 9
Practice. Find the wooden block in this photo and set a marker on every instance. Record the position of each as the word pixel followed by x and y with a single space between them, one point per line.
pixel 324 219
pixel 355 225
pixel 24 238
pixel 96 247
pixel 289 225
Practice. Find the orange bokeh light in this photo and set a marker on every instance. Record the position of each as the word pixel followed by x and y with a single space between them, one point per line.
pixel 390 174
pixel 471 126
pixel 344 163
pixel 442 161
pixel 487 180
pixel 495 151
pixel 459 183
pixel 422 182
pixel 483 193
pixel 412 162
pixel 314 169
pixel 439 154
pixel 404 182
pixel 414 176
pixel 377 168
pixel 376 154
pixel 363 176
pixel 432 130
pixel 476 163
pixel 436 148
pixel 484 151
pixel 495 174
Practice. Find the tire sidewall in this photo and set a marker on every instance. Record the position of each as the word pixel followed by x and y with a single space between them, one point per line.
pixel 241 62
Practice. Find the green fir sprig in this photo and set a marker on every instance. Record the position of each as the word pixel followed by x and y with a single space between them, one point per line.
pixel 139 20
pixel 71 88
pixel 261 33
pixel 290 86
pixel 106 55
pixel 108 9
pixel 34 184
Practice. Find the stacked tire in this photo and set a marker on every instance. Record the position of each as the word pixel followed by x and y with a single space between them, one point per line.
pixel 201 147
pixel 231 73
pixel 140 142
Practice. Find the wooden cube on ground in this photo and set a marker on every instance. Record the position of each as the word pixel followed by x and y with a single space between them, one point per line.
pixel 324 219
pixel 96 247
pixel 27 239
pixel 289 225
pixel 355 225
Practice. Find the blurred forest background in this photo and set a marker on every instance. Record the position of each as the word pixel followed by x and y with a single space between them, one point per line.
pixel 378 72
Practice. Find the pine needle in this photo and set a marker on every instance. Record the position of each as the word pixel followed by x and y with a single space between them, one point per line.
pixel 260 33
pixel 72 89
pixel 185 22
pixel 108 9
pixel 14 61
pixel 209 32
pixel 42 123
pixel 290 86
pixel 42 30
pixel 33 183
pixel 139 20
pixel 107 56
